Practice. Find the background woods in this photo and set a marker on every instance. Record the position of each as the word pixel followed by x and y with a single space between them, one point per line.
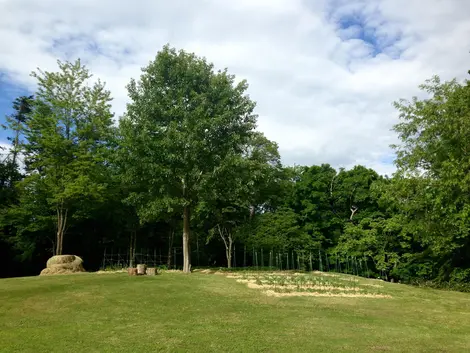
pixel 185 179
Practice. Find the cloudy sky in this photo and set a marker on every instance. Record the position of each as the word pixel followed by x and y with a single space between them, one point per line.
pixel 323 72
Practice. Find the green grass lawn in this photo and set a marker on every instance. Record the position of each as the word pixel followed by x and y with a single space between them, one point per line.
pixel 174 312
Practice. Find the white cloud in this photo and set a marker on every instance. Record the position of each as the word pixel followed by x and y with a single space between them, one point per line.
pixel 323 93
pixel 4 150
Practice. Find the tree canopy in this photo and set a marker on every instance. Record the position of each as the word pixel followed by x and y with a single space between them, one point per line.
pixel 185 125
pixel 185 172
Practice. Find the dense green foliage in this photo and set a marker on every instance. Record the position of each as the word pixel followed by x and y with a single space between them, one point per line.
pixel 185 126
pixel 186 159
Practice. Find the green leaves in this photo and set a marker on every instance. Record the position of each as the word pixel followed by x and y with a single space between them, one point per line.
pixel 429 193
pixel 188 145
pixel 183 121
pixel 277 230
pixel 185 124
pixel 67 139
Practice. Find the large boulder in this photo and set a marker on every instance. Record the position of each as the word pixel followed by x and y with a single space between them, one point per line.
pixel 63 264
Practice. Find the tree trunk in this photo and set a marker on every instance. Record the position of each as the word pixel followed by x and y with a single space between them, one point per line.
pixel 171 235
pixel 228 242
pixel 61 224
pixel 228 251
pixel 15 145
pixel 132 246
pixel 186 245
pixel 60 236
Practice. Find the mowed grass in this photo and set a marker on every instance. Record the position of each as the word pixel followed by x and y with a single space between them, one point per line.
pixel 174 312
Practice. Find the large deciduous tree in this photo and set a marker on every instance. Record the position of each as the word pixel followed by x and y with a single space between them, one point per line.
pixel 67 136
pixel 433 177
pixel 185 120
pixel 243 185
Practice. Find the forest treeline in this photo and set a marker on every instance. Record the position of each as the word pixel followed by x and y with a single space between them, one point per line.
pixel 185 167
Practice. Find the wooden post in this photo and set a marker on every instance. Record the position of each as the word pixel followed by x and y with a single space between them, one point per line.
pixel 151 271
pixel 141 269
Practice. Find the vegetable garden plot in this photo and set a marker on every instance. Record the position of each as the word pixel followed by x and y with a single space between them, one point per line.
pixel 309 284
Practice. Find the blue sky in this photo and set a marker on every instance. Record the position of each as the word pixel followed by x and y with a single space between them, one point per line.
pixel 8 93
pixel 355 26
pixel 324 73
